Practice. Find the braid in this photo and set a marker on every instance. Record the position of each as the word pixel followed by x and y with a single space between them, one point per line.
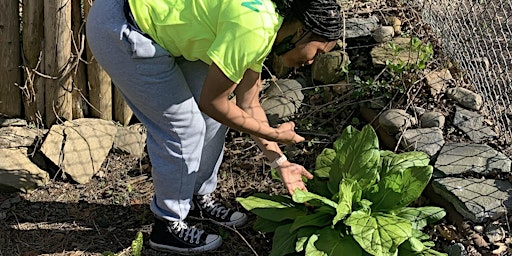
pixel 322 17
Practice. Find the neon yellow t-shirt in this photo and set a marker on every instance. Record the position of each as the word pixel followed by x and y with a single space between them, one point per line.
pixel 234 34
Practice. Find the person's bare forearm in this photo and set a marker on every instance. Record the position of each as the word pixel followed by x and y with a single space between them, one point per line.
pixel 269 148
pixel 233 116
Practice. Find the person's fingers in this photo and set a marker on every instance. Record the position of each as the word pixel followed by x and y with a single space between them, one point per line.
pixel 307 174
pixel 297 138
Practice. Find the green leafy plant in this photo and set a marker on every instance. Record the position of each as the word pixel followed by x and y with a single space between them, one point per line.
pixel 137 244
pixel 357 204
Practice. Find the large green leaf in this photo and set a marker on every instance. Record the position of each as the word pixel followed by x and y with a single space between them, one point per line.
pixel 318 186
pixel 274 208
pixel 301 196
pixel 421 216
pixel 414 247
pixel 347 134
pixel 392 162
pixel 334 244
pixel 283 241
pixel 348 188
pixel 357 159
pixel 379 233
pixel 311 250
pixel 323 162
pixel 317 219
pixel 400 188
pixel 267 226
pixel 303 235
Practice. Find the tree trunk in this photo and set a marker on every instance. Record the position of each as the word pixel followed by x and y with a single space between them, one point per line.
pixel 80 92
pixel 33 34
pixel 100 84
pixel 57 30
pixel 10 61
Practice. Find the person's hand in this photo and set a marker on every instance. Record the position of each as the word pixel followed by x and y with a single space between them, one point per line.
pixel 286 134
pixel 291 174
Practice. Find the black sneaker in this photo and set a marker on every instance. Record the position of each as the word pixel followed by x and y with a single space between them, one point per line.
pixel 207 207
pixel 178 236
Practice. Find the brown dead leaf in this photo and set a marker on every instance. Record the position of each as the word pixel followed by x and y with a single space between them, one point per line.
pixel 448 232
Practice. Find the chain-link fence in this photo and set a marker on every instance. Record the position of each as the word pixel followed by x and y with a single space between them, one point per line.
pixel 477 35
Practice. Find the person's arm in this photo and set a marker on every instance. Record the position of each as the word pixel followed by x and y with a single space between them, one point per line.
pixel 247 98
pixel 214 101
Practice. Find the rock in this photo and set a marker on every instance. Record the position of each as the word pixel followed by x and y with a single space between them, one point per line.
pixel 466 98
pixel 438 81
pixel 17 172
pixel 400 54
pixel 6 122
pixel 427 140
pixel 458 158
pixel 495 233
pixel 432 119
pixel 330 67
pixel 478 240
pixel 456 249
pixel 396 120
pixel 14 137
pixel 282 99
pixel 396 23
pixel 419 112
pixel 472 124
pixel 80 146
pixel 476 199
pixel 360 27
pixel 479 228
pixel 383 34
pixel 131 139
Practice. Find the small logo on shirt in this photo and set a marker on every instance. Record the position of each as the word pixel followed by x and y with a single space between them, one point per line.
pixel 251 5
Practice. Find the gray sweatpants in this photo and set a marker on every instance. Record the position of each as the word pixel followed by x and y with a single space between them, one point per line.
pixel 185 146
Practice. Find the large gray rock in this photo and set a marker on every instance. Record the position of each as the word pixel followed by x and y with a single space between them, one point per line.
pixel 17 172
pixel 396 120
pixel 14 137
pixel 330 67
pixel 432 119
pixel 466 98
pixel 282 99
pixel 476 199
pixel 131 139
pixel 360 27
pixel 472 124
pixel 457 158
pixel 428 140
pixel 79 147
pixel 383 34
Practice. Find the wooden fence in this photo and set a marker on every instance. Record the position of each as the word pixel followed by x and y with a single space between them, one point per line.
pixel 47 72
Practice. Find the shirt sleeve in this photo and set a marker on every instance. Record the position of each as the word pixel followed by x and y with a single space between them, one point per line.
pixel 238 48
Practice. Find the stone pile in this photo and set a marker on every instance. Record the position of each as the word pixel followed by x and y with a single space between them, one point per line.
pixel 76 148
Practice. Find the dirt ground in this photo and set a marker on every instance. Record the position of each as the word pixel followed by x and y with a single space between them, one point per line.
pixel 64 218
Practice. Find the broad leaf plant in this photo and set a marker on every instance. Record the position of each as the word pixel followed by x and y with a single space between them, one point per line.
pixel 357 204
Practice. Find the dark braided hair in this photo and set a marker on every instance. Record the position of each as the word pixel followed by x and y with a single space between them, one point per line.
pixel 322 17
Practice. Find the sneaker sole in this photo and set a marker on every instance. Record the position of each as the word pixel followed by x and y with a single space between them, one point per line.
pixel 167 248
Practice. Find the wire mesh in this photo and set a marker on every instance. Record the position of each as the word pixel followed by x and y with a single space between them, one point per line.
pixel 477 35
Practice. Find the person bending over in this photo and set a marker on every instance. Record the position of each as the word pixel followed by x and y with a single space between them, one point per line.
pixel 176 62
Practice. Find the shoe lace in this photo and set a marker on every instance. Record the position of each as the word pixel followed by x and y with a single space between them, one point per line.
pixel 183 230
pixel 215 208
